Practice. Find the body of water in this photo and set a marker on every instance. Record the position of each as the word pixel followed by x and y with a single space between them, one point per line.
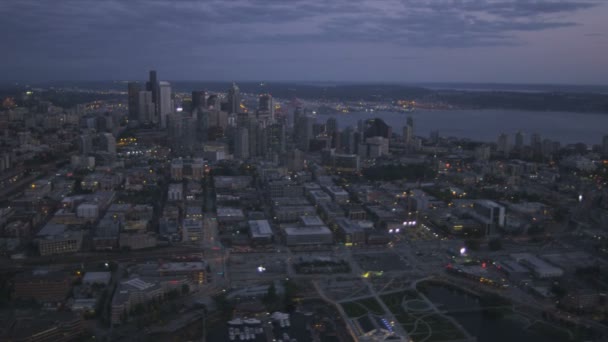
pixel 486 125
pixel 487 328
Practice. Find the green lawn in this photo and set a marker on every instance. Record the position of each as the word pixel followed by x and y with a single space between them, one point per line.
pixel 362 307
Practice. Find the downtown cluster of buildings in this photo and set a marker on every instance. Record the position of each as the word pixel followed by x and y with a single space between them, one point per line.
pixel 163 175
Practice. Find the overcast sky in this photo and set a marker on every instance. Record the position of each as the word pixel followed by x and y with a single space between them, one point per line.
pixel 498 41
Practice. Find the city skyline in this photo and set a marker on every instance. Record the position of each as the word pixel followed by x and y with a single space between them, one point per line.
pixel 393 41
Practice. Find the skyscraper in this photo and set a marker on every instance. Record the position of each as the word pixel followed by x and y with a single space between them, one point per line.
pixel 133 91
pixel 408 131
pixel 276 138
pixel 266 106
pixel 376 128
pixel 165 103
pixel 241 143
pixel 213 102
pixel 198 99
pixel 303 132
pixel 152 86
pixel 331 128
pixel 108 143
pixel 145 107
pixel 234 99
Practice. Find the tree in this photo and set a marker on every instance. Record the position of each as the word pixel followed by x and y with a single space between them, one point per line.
pixel 185 289
pixel 271 295
pixel 472 244
pixel 495 244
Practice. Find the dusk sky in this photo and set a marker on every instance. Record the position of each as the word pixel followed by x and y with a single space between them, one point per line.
pixel 498 41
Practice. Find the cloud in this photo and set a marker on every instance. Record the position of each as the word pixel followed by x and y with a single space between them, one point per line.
pixel 80 33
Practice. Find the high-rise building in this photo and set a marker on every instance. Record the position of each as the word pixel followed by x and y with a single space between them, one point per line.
pixel 276 138
pixel 152 86
pixel 408 131
pixel 199 99
pixel 234 99
pixel 145 107
pixel 85 144
pixel 347 141
pixel 165 103
pixel 376 128
pixel 182 132
pixel 295 160
pixel 331 128
pixel 605 145
pixel 241 143
pixel 503 145
pixel 213 102
pixel 133 91
pixel 303 132
pixel 266 106
pixel 108 143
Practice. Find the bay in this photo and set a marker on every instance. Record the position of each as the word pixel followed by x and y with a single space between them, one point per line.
pixel 487 125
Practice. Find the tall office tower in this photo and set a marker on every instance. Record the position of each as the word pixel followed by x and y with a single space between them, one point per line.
pixel 331 125
pixel 85 144
pixel 199 99
pixel 318 129
pixel 503 145
pixel 165 103
pixel 174 130
pixel 295 160
pixel 265 103
pixel 234 99
pixel 347 140
pixel 266 106
pixel 303 132
pixel 408 131
pixel 519 141
pixel 182 132
pixel 376 128
pixel 108 143
pixel 331 128
pixel 254 134
pixel 276 138
pixel 152 85
pixel 188 139
pixel 134 90
pixel 202 123
pixel 145 107
pixel 241 143
pixel 213 102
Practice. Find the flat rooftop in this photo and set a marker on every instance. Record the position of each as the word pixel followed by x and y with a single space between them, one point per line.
pixel 260 228
pixel 296 231
pixel 312 221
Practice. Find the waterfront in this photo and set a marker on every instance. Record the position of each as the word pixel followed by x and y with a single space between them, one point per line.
pixel 486 125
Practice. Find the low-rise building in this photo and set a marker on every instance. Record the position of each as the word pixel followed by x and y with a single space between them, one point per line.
pixel 260 231
pixel 539 267
pixel 42 286
pixel 57 239
pixel 314 235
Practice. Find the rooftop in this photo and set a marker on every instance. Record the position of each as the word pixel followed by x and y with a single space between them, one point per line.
pixel 307 230
pixel 260 228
